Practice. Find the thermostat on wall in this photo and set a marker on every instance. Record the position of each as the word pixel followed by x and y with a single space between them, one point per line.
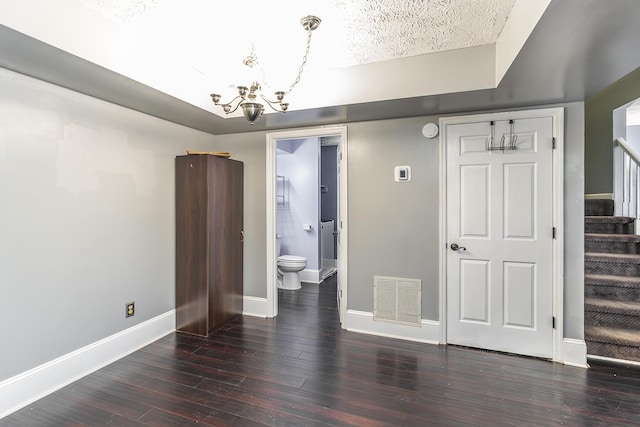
pixel 402 173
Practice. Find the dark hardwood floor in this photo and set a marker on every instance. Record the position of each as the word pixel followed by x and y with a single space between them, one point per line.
pixel 301 369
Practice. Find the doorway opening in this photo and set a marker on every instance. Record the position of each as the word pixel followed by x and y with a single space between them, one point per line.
pixel 281 196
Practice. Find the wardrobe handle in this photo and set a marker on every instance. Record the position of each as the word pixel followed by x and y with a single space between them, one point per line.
pixel 241 235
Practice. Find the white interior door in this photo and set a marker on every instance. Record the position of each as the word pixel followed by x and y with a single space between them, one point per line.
pixel 500 216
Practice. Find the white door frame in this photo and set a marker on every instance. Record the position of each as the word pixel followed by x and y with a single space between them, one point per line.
pixel 272 274
pixel 557 115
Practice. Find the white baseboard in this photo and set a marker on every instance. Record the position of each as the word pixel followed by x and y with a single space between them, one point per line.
pixel 574 353
pixel 608 196
pixel 328 273
pixel 310 276
pixel 27 387
pixel 362 321
pixel 254 306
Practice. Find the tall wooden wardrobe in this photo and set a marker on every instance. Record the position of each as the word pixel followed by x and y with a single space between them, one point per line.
pixel 209 191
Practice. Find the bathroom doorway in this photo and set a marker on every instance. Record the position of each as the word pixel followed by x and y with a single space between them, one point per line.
pixel 320 253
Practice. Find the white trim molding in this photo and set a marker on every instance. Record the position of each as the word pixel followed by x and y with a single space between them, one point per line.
pixel 310 276
pixel 574 352
pixel 27 387
pixel 362 322
pixel 254 306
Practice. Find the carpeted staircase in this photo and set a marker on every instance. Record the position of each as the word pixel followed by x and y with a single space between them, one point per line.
pixel 612 283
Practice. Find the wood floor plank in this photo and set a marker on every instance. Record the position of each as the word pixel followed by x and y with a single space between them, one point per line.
pixel 164 397
pixel 302 369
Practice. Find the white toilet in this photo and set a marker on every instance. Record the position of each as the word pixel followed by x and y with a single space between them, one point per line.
pixel 288 268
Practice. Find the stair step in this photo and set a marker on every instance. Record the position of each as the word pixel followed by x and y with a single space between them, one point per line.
pixel 613 314
pixel 612 243
pixel 598 207
pixel 607 335
pixel 619 288
pixel 609 224
pixel 612 264
pixel 612 342
pixel 603 305
pixel 611 283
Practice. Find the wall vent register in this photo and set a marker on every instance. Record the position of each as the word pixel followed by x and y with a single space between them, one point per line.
pixel 397 300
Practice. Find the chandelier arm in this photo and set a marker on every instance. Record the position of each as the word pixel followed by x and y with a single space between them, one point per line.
pixel 237 105
pixel 230 104
pixel 270 103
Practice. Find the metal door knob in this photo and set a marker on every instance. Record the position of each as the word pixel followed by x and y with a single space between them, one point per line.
pixel 455 247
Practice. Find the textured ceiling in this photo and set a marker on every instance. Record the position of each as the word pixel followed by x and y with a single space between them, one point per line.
pixel 390 29
pixel 122 11
pixel 361 31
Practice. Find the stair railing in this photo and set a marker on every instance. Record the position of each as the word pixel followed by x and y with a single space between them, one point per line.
pixel 626 181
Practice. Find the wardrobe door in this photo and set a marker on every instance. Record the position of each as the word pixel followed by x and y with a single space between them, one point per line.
pixel 225 240
pixel 191 244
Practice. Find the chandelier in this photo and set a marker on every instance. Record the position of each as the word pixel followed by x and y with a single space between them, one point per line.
pixel 247 98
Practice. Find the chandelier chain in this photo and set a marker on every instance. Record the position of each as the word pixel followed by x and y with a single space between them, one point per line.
pixel 304 61
pixel 300 70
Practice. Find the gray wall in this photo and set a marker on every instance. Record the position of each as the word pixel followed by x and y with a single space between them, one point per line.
pixel 383 238
pixel 251 148
pixel 599 131
pixel 393 227
pixel 86 219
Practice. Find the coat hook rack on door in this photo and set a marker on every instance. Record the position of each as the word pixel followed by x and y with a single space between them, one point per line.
pixel 511 145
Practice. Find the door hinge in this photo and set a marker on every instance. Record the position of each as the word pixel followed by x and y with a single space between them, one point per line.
pixel 553 233
pixel 553 142
pixel 341 155
pixel 553 322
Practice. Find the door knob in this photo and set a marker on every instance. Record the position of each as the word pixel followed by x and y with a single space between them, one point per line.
pixel 455 247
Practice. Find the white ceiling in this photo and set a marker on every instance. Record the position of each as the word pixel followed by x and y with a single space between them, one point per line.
pixel 363 51
pixel 122 51
pixel 355 31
